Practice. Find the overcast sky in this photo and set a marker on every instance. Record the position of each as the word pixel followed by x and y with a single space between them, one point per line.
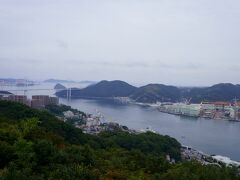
pixel 177 42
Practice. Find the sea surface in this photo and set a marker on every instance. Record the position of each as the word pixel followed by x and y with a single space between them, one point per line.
pixel 210 136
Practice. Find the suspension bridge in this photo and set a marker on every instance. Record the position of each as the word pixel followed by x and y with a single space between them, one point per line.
pixel 25 90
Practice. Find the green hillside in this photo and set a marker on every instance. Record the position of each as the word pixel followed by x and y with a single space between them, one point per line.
pixel 218 92
pixel 156 92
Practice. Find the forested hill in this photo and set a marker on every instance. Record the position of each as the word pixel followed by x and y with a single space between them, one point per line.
pixel 102 89
pixel 152 93
pixel 59 86
pixel 156 92
pixel 36 145
pixel 162 93
pixel 218 92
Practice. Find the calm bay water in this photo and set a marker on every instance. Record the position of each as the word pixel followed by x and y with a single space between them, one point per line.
pixel 210 136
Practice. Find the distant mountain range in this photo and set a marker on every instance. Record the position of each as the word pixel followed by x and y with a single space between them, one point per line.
pixel 15 81
pixel 67 81
pixel 58 81
pixel 218 92
pixel 8 80
pixel 152 93
pixel 5 93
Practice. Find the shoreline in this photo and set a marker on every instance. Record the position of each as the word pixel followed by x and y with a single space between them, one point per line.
pixel 187 152
pixel 127 100
pixel 157 105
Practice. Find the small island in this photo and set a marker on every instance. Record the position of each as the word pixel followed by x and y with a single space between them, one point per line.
pixel 59 87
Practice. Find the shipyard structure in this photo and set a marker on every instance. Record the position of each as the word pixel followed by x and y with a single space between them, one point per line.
pixel 212 110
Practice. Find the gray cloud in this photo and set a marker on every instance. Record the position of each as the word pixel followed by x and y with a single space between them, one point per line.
pixel 17 60
pixel 62 44
pixel 174 42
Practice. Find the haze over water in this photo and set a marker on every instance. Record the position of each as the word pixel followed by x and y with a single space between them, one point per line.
pixel 210 136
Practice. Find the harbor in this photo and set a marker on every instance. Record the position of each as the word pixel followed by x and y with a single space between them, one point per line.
pixel 94 124
pixel 211 110
pixel 200 133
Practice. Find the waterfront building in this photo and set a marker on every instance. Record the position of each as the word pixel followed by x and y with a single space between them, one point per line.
pixel 92 121
pixel 54 100
pixel 205 106
pixel 40 101
pixel 5 98
pixel 231 111
pixel 218 110
pixel 19 98
pixel 192 110
pixel 226 160
pixel 43 98
pixel 68 114
pixel 219 106
pixel 36 103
